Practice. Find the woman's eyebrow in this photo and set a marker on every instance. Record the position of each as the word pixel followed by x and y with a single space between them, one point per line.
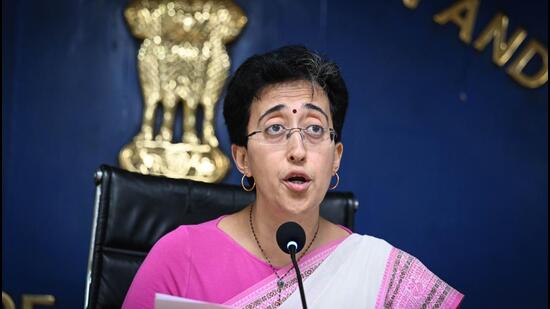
pixel 316 108
pixel 275 108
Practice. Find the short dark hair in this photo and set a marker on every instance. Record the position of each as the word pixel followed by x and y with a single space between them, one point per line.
pixel 286 64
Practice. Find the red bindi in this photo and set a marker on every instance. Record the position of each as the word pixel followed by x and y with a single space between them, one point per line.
pixel 294 111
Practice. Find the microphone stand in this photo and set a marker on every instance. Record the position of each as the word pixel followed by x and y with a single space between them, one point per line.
pixel 298 275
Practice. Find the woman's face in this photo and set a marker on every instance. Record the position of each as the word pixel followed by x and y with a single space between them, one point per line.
pixel 294 175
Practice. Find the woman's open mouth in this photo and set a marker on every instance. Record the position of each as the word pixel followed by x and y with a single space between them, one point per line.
pixel 297 182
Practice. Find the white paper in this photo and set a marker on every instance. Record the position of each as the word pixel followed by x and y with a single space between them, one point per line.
pixel 163 301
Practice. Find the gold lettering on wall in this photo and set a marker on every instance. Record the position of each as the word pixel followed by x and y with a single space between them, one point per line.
pixel 516 67
pixel 496 31
pixel 30 300
pixel 463 14
pixel 7 302
pixel 411 4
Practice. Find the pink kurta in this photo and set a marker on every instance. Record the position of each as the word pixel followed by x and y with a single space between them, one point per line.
pixel 199 262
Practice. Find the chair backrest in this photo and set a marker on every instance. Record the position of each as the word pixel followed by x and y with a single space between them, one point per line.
pixel 132 211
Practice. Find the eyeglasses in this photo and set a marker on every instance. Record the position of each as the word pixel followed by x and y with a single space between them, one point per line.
pixel 277 134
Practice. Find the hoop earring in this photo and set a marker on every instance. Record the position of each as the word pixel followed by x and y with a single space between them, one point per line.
pixel 244 187
pixel 337 182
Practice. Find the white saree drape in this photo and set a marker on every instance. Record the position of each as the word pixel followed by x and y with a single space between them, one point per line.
pixel 360 272
pixel 349 278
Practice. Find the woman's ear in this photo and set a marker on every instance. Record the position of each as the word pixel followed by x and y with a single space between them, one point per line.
pixel 240 157
pixel 338 151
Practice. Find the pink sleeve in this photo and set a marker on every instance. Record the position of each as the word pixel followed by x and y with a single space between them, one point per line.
pixel 407 283
pixel 164 270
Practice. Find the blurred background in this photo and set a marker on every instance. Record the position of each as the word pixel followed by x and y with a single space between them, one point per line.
pixel 446 152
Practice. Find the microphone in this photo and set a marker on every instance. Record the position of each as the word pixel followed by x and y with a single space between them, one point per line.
pixel 291 238
pixel 291 234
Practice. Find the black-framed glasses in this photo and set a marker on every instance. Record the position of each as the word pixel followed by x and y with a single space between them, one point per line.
pixel 277 134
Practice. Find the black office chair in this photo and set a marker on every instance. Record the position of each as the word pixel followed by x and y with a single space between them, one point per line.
pixel 132 211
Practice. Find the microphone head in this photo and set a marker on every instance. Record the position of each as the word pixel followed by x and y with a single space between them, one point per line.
pixel 291 234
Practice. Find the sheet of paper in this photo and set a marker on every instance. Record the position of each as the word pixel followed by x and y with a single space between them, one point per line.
pixel 163 301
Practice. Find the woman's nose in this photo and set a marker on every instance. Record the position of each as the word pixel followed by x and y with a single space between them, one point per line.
pixel 296 147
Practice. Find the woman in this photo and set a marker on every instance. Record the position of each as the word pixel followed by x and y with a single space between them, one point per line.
pixel 285 111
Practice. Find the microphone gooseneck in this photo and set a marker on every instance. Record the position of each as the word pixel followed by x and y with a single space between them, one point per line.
pixel 291 239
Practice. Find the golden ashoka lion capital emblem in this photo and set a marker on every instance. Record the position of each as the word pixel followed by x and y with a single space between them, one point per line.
pixel 182 60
